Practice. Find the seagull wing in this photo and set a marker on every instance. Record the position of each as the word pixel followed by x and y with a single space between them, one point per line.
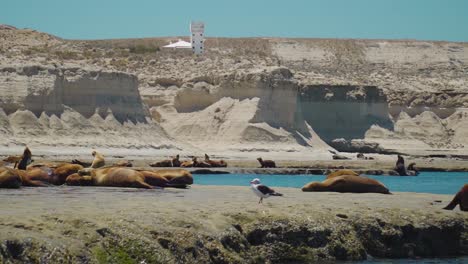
pixel 265 189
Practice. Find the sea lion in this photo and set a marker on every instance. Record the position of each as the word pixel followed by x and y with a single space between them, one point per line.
pixel 347 183
pixel 461 198
pixel 110 177
pixel 26 159
pixel 61 173
pixel 98 160
pixel 342 172
pixel 123 163
pixel 76 179
pixel 174 162
pixel 200 164
pixel 176 176
pixel 154 179
pixel 82 163
pixel 400 166
pixel 412 170
pixel 162 163
pixel 187 164
pixel 266 163
pixel 9 178
pixel 215 163
pixel 37 177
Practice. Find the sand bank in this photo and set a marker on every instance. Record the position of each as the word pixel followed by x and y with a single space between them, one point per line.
pixel 223 224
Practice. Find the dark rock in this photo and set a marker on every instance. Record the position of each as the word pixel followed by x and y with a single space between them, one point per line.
pixel 342 216
pixel 340 157
pixel 103 231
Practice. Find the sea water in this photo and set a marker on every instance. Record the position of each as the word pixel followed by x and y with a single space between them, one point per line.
pixel 425 182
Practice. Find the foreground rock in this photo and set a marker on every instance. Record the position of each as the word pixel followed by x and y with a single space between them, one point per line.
pixel 214 224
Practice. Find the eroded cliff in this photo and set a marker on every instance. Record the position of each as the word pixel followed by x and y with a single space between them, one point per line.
pixel 246 95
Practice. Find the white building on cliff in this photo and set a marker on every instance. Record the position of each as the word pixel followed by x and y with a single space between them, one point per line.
pixel 197 37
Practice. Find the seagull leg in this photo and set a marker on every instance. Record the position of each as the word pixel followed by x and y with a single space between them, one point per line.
pixel 261 200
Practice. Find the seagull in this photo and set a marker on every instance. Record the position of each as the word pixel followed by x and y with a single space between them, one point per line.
pixel 261 190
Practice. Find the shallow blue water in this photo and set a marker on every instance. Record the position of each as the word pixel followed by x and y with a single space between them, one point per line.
pixel 426 182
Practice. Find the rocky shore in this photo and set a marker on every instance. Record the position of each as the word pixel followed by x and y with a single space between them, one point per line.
pixel 219 224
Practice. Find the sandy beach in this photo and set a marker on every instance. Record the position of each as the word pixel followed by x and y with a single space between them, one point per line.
pixel 223 224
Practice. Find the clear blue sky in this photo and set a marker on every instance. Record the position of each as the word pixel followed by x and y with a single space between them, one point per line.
pixel 374 19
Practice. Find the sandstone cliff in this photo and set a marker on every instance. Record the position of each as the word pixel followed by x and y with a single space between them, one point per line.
pixel 244 95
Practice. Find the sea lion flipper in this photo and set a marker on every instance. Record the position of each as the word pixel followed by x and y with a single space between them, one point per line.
pixel 453 203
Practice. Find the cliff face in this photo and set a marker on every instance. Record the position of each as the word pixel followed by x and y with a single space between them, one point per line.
pixel 340 111
pixel 245 94
pixel 75 107
pixel 39 89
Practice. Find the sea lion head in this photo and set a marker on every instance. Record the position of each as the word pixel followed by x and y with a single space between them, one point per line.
pixel 93 153
pixel 313 187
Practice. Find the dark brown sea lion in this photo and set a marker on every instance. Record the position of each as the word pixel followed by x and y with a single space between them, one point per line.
pixel 266 163
pixel 98 161
pixel 82 163
pixel 347 183
pixel 215 163
pixel 176 161
pixel 26 159
pixel 461 198
pixel 9 178
pixel 342 172
pixel 109 177
pixel 400 166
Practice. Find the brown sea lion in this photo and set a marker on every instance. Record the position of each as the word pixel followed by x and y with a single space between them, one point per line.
pixel 461 198
pixel 215 163
pixel 37 177
pixel 200 164
pixel 26 159
pixel 176 176
pixel 61 173
pixel 154 179
pixel 9 178
pixel 266 163
pixel 342 172
pixel 187 164
pixel 347 183
pixel 174 162
pixel 98 161
pixel 78 180
pixel 162 163
pixel 110 177
pixel 123 163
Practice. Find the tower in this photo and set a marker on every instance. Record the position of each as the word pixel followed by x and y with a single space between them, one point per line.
pixel 197 30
